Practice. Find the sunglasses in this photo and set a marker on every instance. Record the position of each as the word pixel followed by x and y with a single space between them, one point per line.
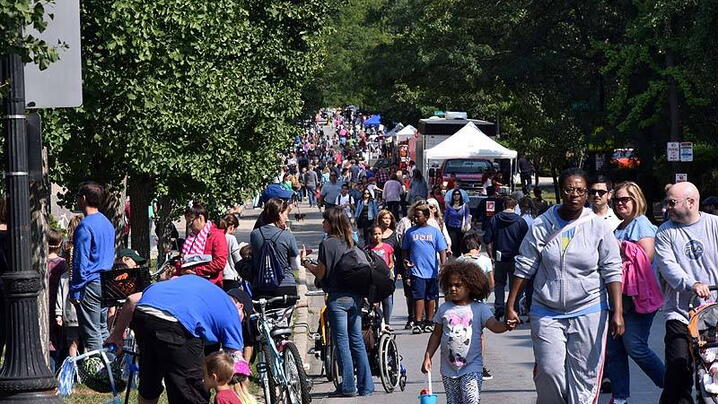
pixel 575 191
pixel 673 202
pixel 623 200
pixel 599 192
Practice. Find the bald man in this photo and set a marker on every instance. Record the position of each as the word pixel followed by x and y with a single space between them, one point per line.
pixel 687 259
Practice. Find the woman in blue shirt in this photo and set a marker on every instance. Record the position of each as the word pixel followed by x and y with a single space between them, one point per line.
pixel 457 211
pixel 366 211
pixel 629 204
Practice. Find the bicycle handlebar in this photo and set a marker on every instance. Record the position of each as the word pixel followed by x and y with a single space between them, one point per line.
pixel 692 301
pixel 283 299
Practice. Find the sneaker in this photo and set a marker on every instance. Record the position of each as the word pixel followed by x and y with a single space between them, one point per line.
pixel 428 327
pixel 487 374
pixel 606 385
pixel 409 325
pixel 416 329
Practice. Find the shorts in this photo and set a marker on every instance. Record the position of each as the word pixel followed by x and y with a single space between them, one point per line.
pixel 169 352
pixel 424 288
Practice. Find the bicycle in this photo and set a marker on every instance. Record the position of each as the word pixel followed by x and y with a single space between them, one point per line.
pixel 323 347
pixel 279 365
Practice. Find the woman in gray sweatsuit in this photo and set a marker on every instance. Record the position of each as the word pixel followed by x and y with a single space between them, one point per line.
pixel 574 257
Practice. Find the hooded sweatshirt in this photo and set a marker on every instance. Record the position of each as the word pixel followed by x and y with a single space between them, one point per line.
pixel 571 269
pixel 506 231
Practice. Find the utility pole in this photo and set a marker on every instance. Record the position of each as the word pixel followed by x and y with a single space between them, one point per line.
pixel 24 376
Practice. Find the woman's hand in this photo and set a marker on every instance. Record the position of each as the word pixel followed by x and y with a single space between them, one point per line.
pixel 426 366
pixel 58 320
pixel 512 318
pixel 617 326
pixel 303 253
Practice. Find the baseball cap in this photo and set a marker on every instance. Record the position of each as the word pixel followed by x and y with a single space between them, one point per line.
pixel 242 297
pixel 130 253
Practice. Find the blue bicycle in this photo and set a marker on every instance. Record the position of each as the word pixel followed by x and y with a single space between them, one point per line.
pixel 279 365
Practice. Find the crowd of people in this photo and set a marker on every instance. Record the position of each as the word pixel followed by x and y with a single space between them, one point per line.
pixel 588 274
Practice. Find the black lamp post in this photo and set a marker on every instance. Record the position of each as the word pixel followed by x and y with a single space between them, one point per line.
pixel 24 376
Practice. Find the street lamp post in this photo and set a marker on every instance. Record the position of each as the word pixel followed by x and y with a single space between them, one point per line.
pixel 24 376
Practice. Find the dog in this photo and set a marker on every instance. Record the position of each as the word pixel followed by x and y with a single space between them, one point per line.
pixel 299 217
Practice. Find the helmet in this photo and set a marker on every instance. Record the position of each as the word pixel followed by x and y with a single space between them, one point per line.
pixel 93 373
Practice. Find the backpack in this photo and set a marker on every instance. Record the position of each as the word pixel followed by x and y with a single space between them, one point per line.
pixel 364 273
pixel 270 273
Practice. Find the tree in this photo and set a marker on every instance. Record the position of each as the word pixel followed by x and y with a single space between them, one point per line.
pixel 186 100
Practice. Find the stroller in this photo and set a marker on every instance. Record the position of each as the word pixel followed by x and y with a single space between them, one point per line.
pixel 703 345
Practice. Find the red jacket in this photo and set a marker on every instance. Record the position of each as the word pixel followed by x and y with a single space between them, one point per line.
pixel 216 247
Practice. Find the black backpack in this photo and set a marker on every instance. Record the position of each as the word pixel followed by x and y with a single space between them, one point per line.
pixel 364 273
pixel 269 274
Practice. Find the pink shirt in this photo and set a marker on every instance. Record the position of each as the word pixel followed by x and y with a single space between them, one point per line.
pixel 385 252
pixel 227 397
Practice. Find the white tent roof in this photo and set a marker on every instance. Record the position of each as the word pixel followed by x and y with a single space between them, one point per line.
pixel 469 142
pixel 407 132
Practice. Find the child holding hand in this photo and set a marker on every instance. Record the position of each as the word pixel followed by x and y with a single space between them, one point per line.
pixel 458 326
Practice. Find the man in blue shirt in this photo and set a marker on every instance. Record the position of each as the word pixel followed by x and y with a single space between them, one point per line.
pixel 420 246
pixel 173 321
pixel 94 252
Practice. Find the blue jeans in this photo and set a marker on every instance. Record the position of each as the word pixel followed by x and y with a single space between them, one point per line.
pixel 345 319
pixel 387 306
pixel 92 318
pixel 311 193
pixel 633 343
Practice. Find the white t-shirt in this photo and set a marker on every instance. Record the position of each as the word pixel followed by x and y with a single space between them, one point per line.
pixel 345 201
pixel 612 220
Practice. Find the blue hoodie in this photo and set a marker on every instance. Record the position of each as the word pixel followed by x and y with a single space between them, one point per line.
pixel 506 231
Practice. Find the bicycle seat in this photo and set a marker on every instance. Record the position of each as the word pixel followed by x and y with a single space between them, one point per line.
pixel 280 331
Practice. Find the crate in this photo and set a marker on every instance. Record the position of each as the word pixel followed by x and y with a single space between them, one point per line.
pixel 118 284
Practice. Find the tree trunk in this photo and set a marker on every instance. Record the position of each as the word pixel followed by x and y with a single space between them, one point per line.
pixel 39 211
pixel 674 109
pixel 141 191
pixel 556 185
pixel 114 210
pixel 163 221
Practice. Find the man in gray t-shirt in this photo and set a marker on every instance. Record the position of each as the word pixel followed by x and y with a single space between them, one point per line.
pixel 687 260
pixel 331 190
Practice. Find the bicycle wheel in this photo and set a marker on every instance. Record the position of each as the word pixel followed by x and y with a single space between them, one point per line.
pixel 336 369
pixel 389 362
pixel 273 391
pixel 328 354
pixel 297 382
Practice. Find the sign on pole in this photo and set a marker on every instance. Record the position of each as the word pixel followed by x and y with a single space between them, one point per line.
pixel 673 151
pixel 60 85
pixel 600 159
pixel 686 151
pixel 681 177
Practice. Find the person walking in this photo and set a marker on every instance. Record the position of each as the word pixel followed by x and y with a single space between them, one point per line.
pixel 642 295
pixel 310 182
pixel 503 236
pixel 421 245
pixel 343 306
pixel 93 253
pixel 687 259
pixel 366 211
pixel 458 329
pixel 526 170
pixel 600 193
pixel 393 237
pixel 391 194
pixel 575 258
pixel 437 220
pixel 456 218
pixel 418 190
pixel 330 190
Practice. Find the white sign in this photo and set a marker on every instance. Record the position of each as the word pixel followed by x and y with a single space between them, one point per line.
pixel 60 85
pixel 673 151
pixel 686 151
pixel 681 177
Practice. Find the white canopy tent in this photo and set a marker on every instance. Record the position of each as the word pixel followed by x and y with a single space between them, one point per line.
pixel 407 132
pixel 471 143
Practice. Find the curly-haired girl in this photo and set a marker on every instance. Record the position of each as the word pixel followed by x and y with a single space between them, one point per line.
pixel 458 327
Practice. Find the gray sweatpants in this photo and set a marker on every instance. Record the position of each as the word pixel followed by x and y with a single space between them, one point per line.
pixel 569 357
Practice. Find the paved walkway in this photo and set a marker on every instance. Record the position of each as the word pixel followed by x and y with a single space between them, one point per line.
pixel 509 355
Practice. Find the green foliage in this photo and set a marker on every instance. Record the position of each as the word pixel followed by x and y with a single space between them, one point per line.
pixel 15 15
pixel 196 99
